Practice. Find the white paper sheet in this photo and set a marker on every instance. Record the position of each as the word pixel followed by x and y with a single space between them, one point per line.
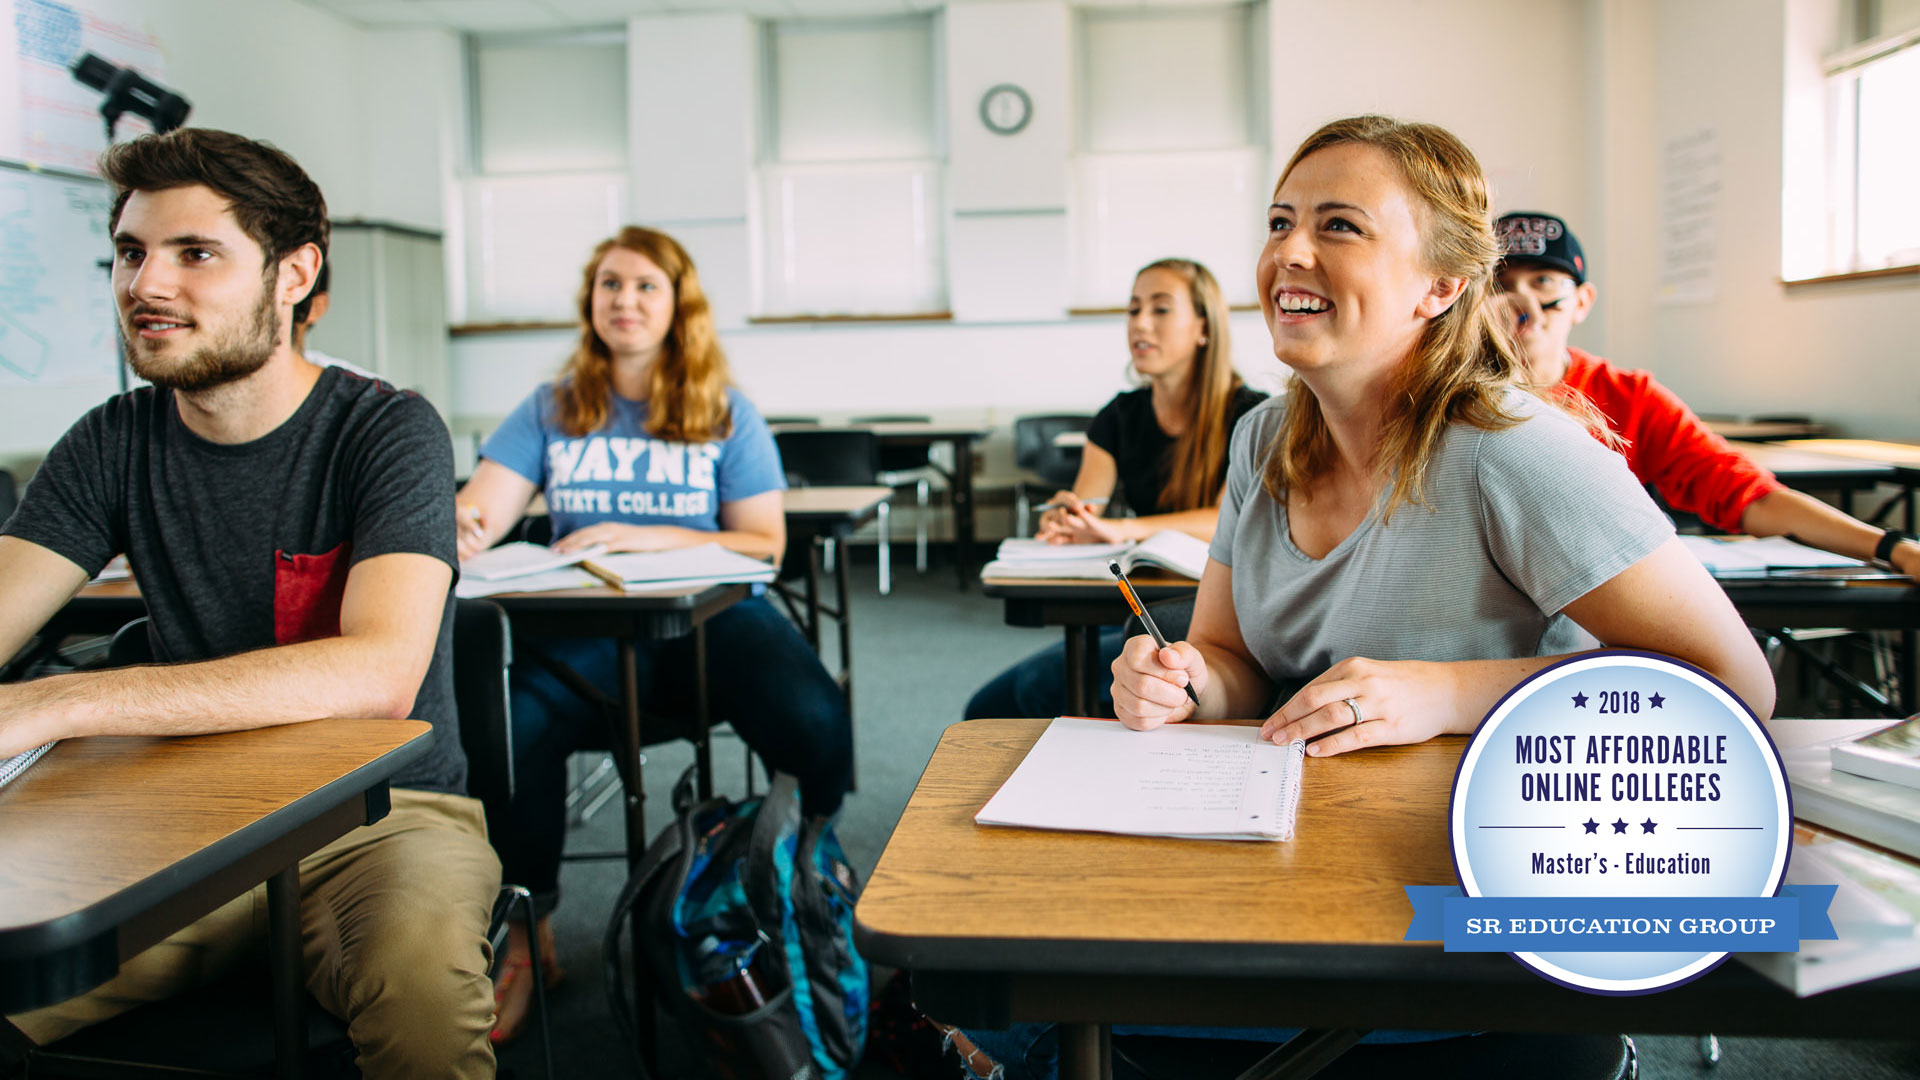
pixel 1201 781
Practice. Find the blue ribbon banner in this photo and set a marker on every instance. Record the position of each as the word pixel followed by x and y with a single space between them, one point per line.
pixel 1549 924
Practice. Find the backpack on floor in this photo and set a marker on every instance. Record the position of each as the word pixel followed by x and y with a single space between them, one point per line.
pixel 747 938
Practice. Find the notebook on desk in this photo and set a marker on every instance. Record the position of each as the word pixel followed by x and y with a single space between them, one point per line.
pixel 521 559
pixel 1189 781
pixel 1168 549
pixel 17 764
pixel 704 564
pixel 1750 557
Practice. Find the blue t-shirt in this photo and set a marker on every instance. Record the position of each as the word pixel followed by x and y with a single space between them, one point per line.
pixel 620 473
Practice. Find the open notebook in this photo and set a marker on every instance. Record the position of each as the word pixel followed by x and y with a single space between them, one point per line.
pixel 703 564
pixel 17 764
pixel 1167 549
pixel 1743 557
pixel 521 559
pixel 1194 781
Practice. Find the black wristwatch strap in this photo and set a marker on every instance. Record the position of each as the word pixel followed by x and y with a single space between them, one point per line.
pixel 1883 551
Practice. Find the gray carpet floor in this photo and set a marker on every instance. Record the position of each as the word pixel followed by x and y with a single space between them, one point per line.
pixel 918 656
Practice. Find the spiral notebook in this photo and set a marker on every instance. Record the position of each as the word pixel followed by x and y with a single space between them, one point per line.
pixel 1193 781
pixel 17 764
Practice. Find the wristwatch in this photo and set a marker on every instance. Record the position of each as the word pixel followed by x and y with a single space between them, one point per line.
pixel 1883 551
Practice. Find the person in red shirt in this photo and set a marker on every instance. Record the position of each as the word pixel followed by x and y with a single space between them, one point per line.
pixel 1696 471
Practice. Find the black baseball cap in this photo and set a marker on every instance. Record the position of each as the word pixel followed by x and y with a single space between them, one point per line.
pixel 1541 240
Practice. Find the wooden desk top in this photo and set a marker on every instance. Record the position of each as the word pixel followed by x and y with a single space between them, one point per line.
pixel 947 891
pixel 1788 461
pixel 936 431
pixel 97 818
pixel 1905 454
pixel 1763 429
pixel 833 501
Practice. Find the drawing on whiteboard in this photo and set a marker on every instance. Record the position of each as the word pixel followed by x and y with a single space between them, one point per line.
pixel 56 317
pixel 60 123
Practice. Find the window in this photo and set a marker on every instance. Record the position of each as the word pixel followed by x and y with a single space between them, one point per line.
pixel 849 199
pixel 1168 172
pixel 1871 149
pixel 548 169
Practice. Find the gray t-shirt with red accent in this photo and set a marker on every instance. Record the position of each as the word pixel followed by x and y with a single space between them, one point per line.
pixel 241 547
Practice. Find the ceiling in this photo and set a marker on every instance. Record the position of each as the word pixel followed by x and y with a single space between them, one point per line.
pixel 485 15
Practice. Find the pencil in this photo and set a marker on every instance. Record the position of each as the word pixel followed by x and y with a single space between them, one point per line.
pixel 1146 620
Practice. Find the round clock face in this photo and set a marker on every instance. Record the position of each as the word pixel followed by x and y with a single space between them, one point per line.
pixel 1005 109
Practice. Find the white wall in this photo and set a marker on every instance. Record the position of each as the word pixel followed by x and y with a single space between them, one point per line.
pixel 1843 353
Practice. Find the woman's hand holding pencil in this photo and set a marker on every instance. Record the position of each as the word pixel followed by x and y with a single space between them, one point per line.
pixel 1153 672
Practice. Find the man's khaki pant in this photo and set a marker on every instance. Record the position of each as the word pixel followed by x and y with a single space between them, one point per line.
pixel 394 925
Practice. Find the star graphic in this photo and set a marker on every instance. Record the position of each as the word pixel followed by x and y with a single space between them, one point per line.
pixel 1656 701
pixel 1647 825
pixel 1579 701
pixel 1592 825
pixel 1619 826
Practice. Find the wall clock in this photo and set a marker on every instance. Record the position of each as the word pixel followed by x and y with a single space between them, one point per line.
pixel 1005 109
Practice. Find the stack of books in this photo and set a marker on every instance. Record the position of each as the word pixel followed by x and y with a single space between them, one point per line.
pixel 1856 792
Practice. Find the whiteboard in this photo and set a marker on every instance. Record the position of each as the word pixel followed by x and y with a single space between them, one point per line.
pixel 57 350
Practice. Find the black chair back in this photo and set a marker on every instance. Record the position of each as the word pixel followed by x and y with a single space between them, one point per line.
pixel 829 457
pixel 482 650
pixel 130 645
pixel 1174 618
pixel 9 496
pixel 1033 447
pixel 899 458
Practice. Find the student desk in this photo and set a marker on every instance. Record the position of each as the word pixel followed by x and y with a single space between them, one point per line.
pixel 1904 457
pixel 1763 430
pixel 962 438
pixel 1081 607
pixel 831 512
pixel 1808 471
pixel 109 844
pixel 1001 925
pixel 627 617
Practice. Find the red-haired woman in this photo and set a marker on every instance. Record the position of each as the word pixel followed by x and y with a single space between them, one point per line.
pixel 641 444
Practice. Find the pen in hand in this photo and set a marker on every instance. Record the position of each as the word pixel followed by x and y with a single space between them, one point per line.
pixel 1140 611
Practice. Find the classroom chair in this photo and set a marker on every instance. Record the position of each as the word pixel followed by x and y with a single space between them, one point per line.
pixel 1471 1057
pixel 1055 467
pixel 227 1029
pixel 838 458
pixel 903 465
pixel 9 495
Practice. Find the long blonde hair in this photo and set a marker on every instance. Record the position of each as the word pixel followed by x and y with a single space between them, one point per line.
pixel 687 386
pixel 1465 359
pixel 1196 463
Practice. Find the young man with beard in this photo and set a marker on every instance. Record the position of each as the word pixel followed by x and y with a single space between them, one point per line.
pixel 1545 277
pixel 292 530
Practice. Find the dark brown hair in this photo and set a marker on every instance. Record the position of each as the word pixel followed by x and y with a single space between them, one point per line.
pixel 272 198
pixel 686 387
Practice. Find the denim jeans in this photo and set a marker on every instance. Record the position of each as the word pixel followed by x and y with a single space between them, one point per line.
pixel 1037 686
pixel 1032 1051
pixel 763 677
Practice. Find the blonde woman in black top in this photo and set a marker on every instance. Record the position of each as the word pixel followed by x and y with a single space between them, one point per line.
pixel 1163 447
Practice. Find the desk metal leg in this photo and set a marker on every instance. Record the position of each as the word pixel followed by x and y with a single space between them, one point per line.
pixel 289 975
pixel 1303 1055
pixel 1910 671
pixel 813 593
pixel 1076 673
pixel 636 818
pixel 963 510
pixel 702 715
pixel 1086 1051
pixel 844 625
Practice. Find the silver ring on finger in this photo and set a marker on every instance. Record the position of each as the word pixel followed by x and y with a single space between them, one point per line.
pixel 1355 706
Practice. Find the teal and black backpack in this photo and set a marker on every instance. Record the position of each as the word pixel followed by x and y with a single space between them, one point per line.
pixel 747 939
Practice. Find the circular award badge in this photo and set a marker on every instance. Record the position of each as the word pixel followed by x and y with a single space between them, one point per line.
pixel 1623 820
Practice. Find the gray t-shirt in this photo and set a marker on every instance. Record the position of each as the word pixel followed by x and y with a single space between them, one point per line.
pixel 1524 521
pixel 240 547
